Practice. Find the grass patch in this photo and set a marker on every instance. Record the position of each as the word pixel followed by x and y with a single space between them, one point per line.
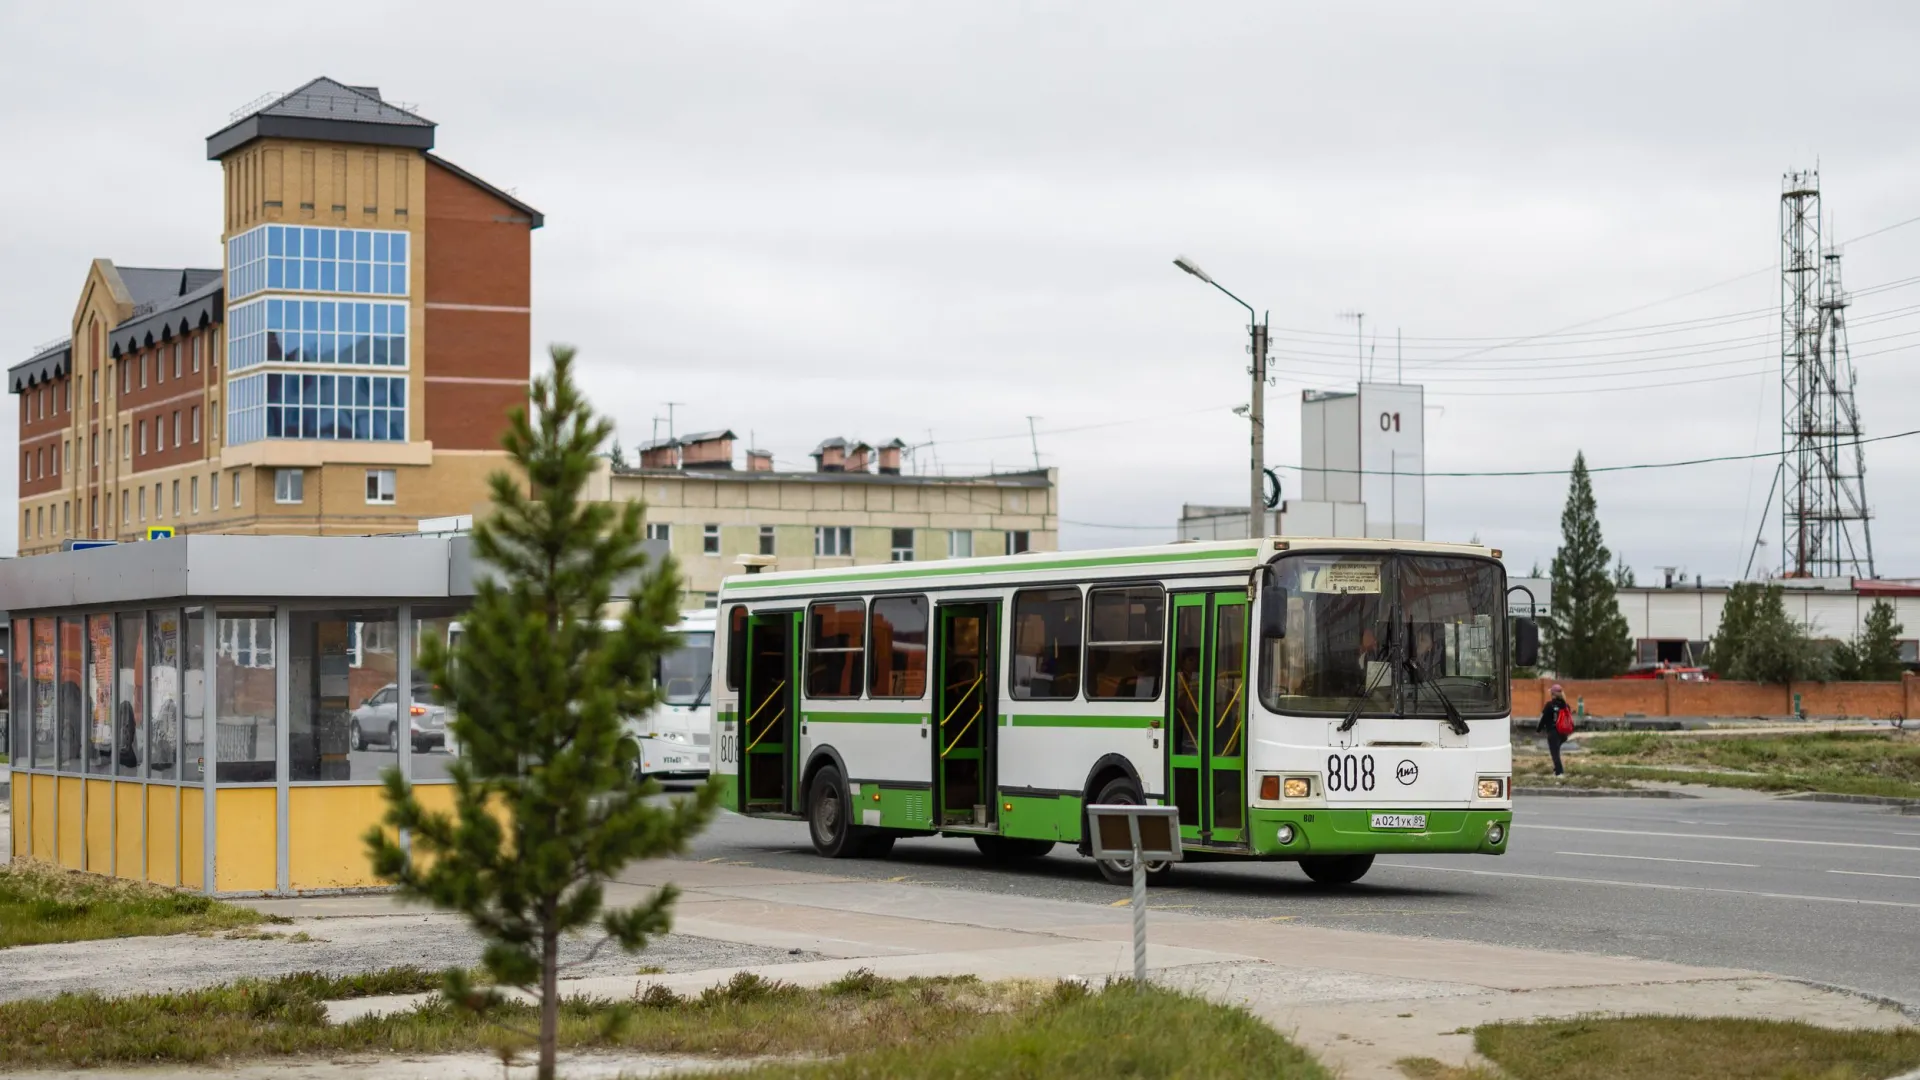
pixel 942 1027
pixel 1683 1048
pixel 1841 762
pixel 1426 1068
pixel 39 905
pixel 1073 1035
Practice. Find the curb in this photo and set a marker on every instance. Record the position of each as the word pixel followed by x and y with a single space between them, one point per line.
pixel 1911 805
pixel 1603 793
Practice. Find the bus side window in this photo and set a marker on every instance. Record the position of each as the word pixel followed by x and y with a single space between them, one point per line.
pixel 836 648
pixel 899 646
pixel 1124 630
pixel 1046 645
pixel 736 647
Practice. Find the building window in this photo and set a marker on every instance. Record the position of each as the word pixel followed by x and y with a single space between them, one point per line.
pixel 95 462
pixel 143 502
pixel 126 377
pixel 379 487
pixel 902 549
pixel 64 463
pixel 194 424
pixel 1124 630
pixel 831 541
pixel 126 445
pixel 176 359
pixel 1046 645
pixel 899 636
pixel 159 504
pixel 143 438
pixel 1018 542
pixel 236 488
pixel 324 406
pixel 146 361
pixel 275 331
pixel 661 531
pixel 308 259
pixel 213 491
pixel 836 648
pixel 960 544
pixel 710 540
pixel 288 485
pixel 126 510
pixel 176 429
pixel 176 498
pixel 193 494
pixel 766 539
pixel 198 339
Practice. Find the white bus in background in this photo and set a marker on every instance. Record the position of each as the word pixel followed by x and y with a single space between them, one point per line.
pixel 676 736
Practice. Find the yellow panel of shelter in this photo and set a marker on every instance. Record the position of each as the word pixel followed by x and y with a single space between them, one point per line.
pixel 245 858
pixel 44 808
pixel 129 830
pixel 163 835
pixel 72 821
pixel 19 798
pixel 193 838
pixel 325 826
pixel 100 826
pixel 435 799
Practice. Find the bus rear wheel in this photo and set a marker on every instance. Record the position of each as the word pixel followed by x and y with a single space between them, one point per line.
pixel 1336 869
pixel 1011 848
pixel 1120 871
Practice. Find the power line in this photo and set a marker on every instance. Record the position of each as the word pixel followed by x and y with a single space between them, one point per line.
pixel 1641 467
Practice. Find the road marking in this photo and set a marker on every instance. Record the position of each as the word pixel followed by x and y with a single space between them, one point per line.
pixel 1715 836
pixel 1649 885
pixel 1869 873
pixel 1655 858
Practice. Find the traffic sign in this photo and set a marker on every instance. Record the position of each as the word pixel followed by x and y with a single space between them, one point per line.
pixel 83 545
pixel 159 532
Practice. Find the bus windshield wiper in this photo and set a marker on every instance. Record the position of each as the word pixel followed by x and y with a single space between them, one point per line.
pixel 1367 686
pixel 1454 720
pixel 700 698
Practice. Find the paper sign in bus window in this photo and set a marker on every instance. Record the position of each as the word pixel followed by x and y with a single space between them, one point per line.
pixel 1341 578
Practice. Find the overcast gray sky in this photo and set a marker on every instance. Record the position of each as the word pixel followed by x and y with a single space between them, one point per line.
pixel 887 219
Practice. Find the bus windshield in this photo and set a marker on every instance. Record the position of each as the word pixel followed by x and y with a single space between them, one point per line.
pixel 684 672
pixel 1387 635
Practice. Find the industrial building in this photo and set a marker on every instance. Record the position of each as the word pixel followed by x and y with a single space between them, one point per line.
pixel 348 368
pixel 854 507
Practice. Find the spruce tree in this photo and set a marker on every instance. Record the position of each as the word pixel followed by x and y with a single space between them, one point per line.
pixel 1587 636
pixel 1878 645
pixel 545 809
pixel 1757 642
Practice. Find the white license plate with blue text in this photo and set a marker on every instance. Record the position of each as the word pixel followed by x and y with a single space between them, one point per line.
pixel 1399 821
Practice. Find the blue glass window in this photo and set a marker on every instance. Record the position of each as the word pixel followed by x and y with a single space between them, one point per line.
pixel 276 330
pixel 271 405
pixel 371 262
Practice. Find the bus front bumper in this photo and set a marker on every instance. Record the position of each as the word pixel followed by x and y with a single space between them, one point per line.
pixel 1356 832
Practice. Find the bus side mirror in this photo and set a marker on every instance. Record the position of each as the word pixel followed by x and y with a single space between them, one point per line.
pixel 1273 605
pixel 1526 643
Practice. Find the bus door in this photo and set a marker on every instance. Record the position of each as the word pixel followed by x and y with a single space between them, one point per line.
pixel 767 713
pixel 966 715
pixel 1207 715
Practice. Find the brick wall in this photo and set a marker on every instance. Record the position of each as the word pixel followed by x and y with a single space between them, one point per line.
pixel 479 253
pixel 1725 698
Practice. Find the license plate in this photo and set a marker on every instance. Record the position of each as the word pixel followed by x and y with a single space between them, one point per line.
pixel 1399 821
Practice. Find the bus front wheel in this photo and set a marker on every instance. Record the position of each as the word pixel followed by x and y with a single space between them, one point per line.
pixel 1336 869
pixel 830 821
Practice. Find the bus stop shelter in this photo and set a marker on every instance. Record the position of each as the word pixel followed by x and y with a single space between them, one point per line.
pixel 217 712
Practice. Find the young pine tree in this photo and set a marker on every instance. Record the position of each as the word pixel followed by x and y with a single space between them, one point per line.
pixel 1587 636
pixel 1878 646
pixel 1758 642
pixel 545 809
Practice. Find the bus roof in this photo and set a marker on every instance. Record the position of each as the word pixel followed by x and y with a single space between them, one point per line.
pixel 1225 556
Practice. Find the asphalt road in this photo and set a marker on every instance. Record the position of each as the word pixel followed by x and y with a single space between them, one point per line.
pixel 1827 892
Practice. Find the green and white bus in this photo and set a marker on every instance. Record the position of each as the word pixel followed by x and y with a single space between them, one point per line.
pixel 1313 701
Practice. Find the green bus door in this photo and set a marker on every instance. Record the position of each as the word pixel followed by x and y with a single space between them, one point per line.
pixel 1207 716
pixel 767 714
pixel 966 716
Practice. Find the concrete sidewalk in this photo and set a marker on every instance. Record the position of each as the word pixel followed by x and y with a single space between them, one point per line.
pixel 1360 1001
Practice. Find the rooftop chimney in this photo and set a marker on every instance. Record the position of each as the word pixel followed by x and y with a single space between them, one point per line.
pixel 759 461
pixel 890 457
pixel 859 457
pixel 831 456
pixel 661 455
pixel 707 450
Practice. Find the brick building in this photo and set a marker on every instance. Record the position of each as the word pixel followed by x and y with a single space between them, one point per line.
pixel 347 370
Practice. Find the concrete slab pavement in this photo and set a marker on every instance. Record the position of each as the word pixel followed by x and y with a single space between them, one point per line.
pixel 1361 1001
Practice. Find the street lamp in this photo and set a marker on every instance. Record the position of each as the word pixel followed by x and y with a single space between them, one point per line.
pixel 1256 412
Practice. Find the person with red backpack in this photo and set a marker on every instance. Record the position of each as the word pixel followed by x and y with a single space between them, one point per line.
pixel 1556 720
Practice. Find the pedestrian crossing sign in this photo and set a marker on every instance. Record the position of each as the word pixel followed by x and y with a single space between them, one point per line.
pixel 159 532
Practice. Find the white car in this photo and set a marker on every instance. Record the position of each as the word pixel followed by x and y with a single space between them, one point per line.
pixel 377 720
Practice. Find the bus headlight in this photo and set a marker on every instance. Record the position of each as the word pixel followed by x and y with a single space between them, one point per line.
pixel 1298 787
pixel 681 736
pixel 1492 787
pixel 1496 832
pixel 1284 835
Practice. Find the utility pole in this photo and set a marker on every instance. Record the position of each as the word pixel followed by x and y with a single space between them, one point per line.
pixel 670 406
pixel 1035 436
pixel 1359 351
pixel 1256 406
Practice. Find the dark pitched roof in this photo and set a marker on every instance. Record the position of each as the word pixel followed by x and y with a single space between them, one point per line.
pixel 199 303
pixel 329 111
pixel 48 363
pixel 707 436
pixel 534 217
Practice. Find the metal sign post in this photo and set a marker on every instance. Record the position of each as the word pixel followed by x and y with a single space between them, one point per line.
pixel 1141 834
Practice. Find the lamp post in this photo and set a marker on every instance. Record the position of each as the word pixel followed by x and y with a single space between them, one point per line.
pixel 1256 411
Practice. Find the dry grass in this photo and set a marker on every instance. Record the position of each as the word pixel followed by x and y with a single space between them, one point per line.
pixel 39 905
pixel 1426 1068
pixel 1848 763
pixel 1682 1048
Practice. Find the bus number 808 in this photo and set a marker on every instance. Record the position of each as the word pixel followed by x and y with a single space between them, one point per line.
pixel 1349 772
